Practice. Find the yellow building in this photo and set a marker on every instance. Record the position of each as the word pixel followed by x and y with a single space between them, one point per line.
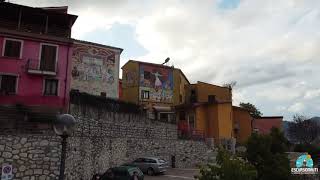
pixel 207 112
pixel 201 109
pixel 158 88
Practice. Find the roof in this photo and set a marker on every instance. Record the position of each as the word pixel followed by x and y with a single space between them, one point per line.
pixel 209 84
pixel 99 45
pixel 159 65
pixel 240 108
pixel 200 104
pixel 41 10
pixel 270 117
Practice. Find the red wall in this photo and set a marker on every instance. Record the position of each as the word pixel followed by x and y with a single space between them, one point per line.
pixel 30 87
pixel 265 124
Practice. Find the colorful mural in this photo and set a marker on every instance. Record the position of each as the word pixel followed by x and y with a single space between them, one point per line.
pixel 158 82
pixel 94 70
pixel 130 78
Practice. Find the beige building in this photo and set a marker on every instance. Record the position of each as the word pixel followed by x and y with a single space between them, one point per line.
pixel 95 69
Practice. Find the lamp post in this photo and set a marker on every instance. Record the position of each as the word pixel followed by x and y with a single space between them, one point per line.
pixel 63 128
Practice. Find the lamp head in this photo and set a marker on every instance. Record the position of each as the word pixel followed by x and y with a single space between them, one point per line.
pixel 64 124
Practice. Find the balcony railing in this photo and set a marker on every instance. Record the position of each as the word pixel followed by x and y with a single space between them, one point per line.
pixel 34 66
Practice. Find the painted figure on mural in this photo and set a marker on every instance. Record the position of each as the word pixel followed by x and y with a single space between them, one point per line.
pixel 157 83
pixel 75 72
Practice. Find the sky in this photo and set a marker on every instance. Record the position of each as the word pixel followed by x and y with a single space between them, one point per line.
pixel 270 48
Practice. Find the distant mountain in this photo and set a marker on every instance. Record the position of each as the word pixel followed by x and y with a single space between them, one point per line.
pixel 316 119
pixel 286 124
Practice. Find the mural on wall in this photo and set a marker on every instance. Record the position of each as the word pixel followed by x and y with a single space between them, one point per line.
pixel 130 78
pixel 158 82
pixel 94 70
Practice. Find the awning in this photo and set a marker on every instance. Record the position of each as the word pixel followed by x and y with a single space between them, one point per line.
pixel 163 108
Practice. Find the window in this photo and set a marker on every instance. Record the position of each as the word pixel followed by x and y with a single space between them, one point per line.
pixel 48 56
pixel 51 87
pixel 8 84
pixel 151 161
pixel 146 75
pixel 145 94
pixel 211 99
pixel 12 48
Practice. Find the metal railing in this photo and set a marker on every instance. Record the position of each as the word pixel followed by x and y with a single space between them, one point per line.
pixel 35 64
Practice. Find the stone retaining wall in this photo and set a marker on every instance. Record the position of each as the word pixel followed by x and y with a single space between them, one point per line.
pixel 89 156
pixel 101 140
pixel 33 157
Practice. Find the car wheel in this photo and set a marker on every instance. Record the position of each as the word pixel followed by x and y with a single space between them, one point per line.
pixel 150 172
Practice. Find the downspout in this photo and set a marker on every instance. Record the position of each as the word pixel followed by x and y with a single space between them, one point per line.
pixel 66 80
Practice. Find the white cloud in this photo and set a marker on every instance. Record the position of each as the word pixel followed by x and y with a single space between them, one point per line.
pixel 268 47
pixel 297 107
pixel 312 94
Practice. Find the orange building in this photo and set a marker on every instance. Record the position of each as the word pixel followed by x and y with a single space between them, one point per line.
pixel 242 124
pixel 207 111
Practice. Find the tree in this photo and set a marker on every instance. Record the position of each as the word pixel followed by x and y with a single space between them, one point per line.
pixel 229 167
pixel 254 112
pixel 230 85
pixel 302 130
pixel 267 154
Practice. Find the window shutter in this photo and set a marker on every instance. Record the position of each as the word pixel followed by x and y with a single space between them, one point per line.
pixel 48 58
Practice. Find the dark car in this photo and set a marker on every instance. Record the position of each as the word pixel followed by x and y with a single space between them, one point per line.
pixel 122 173
pixel 150 165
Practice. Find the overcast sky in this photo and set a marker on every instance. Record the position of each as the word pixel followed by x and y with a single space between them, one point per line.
pixel 270 47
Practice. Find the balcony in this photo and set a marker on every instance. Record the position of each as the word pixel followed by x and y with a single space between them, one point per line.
pixel 34 66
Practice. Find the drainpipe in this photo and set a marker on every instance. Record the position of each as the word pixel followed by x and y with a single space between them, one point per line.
pixel 66 80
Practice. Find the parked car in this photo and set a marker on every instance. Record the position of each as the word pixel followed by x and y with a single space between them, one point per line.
pixel 150 165
pixel 122 173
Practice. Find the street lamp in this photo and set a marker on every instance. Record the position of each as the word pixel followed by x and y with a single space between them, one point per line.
pixel 63 128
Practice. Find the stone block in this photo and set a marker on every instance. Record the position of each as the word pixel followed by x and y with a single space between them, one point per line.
pixel 43 177
pixel 6 155
pixel 29 172
pixel 2 147
pixel 26 178
pixel 22 168
pixel 23 155
pixel 38 171
pixel 44 143
pixel 23 140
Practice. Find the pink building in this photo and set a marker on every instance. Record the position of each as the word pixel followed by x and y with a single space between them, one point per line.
pixel 263 125
pixel 35 59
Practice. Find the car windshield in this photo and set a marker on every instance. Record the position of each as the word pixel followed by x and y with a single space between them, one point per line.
pixel 161 161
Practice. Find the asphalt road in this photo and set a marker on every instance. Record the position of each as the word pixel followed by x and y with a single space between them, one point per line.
pixel 175 174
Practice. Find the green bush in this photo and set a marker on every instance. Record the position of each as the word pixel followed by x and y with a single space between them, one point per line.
pixel 228 167
pixel 267 154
